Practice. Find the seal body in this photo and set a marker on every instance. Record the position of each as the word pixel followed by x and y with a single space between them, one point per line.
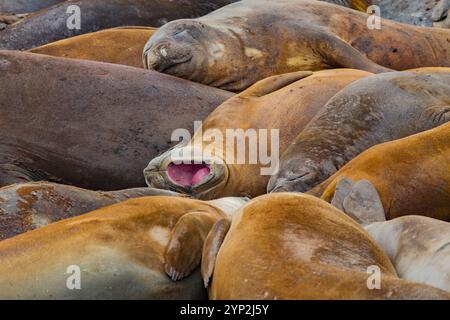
pixel 89 124
pixel 120 252
pixel 370 111
pixel 410 174
pixel 52 23
pixel 244 42
pixel 28 206
pixel 418 246
pixel 263 119
pixel 300 247
pixel 122 45
pixel 25 6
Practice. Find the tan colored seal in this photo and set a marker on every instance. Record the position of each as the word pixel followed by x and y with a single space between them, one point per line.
pixel 117 45
pixel 286 103
pixel 295 246
pixel 119 252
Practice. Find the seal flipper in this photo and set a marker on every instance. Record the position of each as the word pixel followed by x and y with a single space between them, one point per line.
pixel 339 53
pixel 211 248
pixel 274 83
pixel 441 11
pixel 185 246
pixel 362 203
pixel 439 114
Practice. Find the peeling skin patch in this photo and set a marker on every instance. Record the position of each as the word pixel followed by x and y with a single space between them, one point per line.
pixel 160 235
pixel 295 61
pixel 217 50
pixel 253 53
pixel 39 221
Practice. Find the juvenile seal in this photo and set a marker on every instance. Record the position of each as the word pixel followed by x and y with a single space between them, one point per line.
pixel 410 175
pixel 368 112
pixel 246 41
pixel 295 246
pixel 122 45
pixel 286 103
pixel 51 24
pixel 123 252
pixel 90 124
pixel 28 206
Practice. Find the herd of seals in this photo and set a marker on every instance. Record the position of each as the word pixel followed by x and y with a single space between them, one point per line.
pixel 91 178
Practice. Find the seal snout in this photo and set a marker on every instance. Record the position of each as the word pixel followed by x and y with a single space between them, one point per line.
pixel 165 55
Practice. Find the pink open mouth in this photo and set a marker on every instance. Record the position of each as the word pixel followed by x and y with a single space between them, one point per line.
pixel 188 175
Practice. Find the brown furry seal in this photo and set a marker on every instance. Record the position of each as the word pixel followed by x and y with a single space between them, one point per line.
pixel 411 175
pixel 90 124
pixel 51 24
pixel 295 246
pixel 28 206
pixel 121 45
pixel 121 252
pixel 368 112
pixel 283 103
pixel 246 41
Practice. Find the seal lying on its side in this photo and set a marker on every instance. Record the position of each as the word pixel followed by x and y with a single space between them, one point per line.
pixel 121 45
pixel 368 112
pixel 244 42
pixel 53 24
pixel 283 103
pixel 28 206
pixel 411 176
pixel 90 124
pixel 418 246
pixel 121 252
pixel 295 246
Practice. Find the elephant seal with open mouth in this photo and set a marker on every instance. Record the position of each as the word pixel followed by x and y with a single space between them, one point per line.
pixel 90 124
pixel 285 103
pixel 244 42
pixel 370 111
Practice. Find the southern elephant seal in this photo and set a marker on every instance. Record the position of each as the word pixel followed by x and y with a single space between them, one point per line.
pixel 280 105
pixel 122 45
pixel 121 252
pixel 53 23
pixel 295 246
pixel 418 246
pixel 25 6
pixel 368 112
pixel 89 124
pixel 246 41
pixel 28 206
pixel 410 175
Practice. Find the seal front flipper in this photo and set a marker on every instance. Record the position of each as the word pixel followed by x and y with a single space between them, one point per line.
pixel 360 201
pixel 339 53
pixel 438 114
pixel 441 10
pixel 211 248
pixel 274 83
pixel 184 250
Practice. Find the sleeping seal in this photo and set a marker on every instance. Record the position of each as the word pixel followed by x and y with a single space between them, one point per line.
pixel 90 124
pixel 130 250
pixel 295 246
pixel 368 112
pixel 122 45
pixel 285 103
pixel 51 24
pixel 28 206
pixel 246 41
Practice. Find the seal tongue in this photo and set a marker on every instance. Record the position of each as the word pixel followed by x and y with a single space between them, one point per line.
pixel 188 174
